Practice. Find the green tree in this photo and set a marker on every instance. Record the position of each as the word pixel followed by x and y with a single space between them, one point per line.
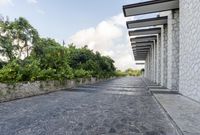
pixel 7 49
pixel 45 59
pixel 24 35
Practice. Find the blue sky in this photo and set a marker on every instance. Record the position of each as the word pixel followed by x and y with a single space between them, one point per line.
pixel 60 19
pixel 72 19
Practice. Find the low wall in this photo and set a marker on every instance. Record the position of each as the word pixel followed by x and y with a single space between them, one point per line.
pixel 10 92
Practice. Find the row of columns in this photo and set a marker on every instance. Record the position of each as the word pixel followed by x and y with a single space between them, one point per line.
pixel 162 61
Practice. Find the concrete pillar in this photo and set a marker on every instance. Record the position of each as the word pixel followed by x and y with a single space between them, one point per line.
pixel 173 50
pixel 151 63
pixel 158 64
pixel 164 44
pixel 155 61
pixel 147 66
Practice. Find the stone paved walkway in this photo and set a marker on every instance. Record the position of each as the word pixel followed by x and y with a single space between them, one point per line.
pixel 115 107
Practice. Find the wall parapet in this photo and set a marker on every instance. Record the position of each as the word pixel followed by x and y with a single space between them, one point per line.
pixel 15 91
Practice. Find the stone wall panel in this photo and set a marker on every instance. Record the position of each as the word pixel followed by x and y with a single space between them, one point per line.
pixel 189 76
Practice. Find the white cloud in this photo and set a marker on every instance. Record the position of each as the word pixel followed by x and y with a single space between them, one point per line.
pixel 110 38
pixel 32 1
pixel 6 2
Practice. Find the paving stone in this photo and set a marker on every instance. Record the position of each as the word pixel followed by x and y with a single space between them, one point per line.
pixel 128 108
pixel 184 112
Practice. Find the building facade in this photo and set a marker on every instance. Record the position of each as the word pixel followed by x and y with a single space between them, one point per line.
pixel 173 59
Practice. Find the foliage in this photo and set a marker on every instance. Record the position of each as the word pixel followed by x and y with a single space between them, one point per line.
pixel 81 73
pixel 132 72
pixel 17 38
pixel 129 72
pixel 6 48
pixel 10 72
pixel 31 58
pixel 120 73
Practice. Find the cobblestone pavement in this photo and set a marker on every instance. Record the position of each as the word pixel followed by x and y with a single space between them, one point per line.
pixel 116 107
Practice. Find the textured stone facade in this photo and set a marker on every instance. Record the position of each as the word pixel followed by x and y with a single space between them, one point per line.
pixel 147 67
pixel 174 61
pixel 159 60
pixel 165 55
pixel 173 50
pixel 190 48
pixel 155 61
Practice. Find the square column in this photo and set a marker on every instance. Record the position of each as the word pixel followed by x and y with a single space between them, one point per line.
pixel 158 63
pixel 155 61
pixel 173 50
pixel 164 44
pixel 147 66
pixel 151 63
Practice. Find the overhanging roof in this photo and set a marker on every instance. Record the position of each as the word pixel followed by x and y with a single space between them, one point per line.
pixel 149 43
pixel 150 31
pixel 140 54
pixel 150 7
pixel 143 39
pixel 139 48
pixel 147 22
pixel 139 63
pixel 140 57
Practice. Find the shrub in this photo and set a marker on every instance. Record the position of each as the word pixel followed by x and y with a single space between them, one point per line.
pixel 11 72
pixel 46 59
pixel 81 73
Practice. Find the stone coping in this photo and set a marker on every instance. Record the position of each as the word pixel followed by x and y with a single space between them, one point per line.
pixel 184 112
pixel 10 92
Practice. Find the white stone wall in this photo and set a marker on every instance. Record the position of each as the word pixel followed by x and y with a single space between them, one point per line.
pixel 190 48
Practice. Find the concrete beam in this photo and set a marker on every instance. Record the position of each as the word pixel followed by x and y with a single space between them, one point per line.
pixel 150 7
pixel 135 47
pixel 149 43
pixel 143 39
pixel 140 54
pixel 147 22
pixel 140 59
pixel 142 50
pixel 137 63
pixel 138 51
pixel 150 31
